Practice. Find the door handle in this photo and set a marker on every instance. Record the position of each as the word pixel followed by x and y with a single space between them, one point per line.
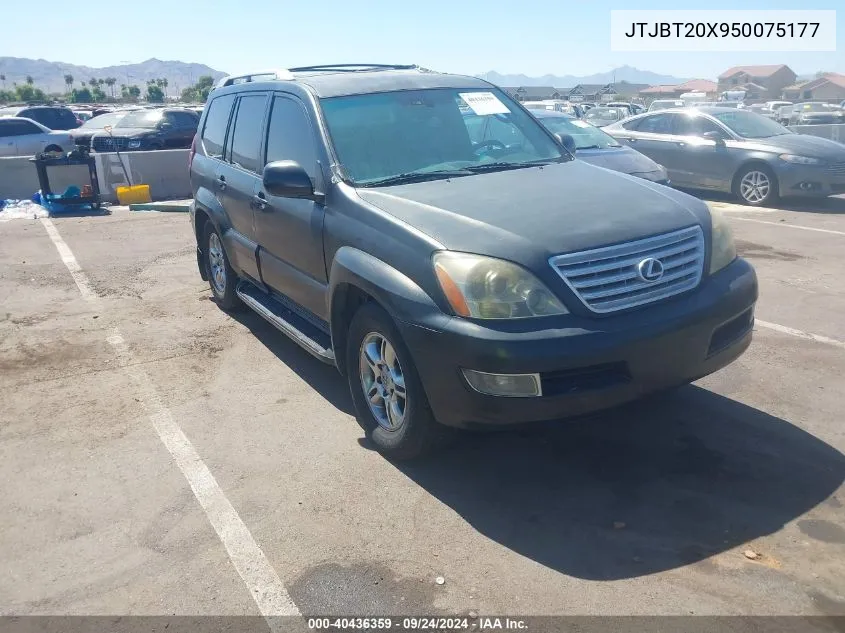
pixel 259 202
pixel 221 183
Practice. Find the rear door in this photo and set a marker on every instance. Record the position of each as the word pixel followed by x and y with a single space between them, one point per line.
pixel 290 231
pixel 8 137
pixel 653 135
pixel 238 177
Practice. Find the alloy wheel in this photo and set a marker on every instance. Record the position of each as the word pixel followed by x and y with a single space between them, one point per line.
pixel 383 381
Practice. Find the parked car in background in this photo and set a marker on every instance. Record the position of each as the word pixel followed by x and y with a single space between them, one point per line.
pixel 772 109
pixel 622 105
pixel 24 137
pixel 52 117
pixel 149 129
pixel 783 113
pixel 736 151
pixel 594 146
pixel 555 105
pixel 815 113
pixel 638 109
pixel 82 135
pixel 451 279
pixel 723 104
pixel 601 116
pixel 83 115
pixel 664 104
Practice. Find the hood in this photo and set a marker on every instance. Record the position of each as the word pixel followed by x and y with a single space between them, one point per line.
pixel 528 215
pixel 624 159
pixel 800 144
pixel 130 132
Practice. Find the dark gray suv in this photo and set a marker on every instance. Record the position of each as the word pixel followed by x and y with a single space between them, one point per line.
pixel 455 280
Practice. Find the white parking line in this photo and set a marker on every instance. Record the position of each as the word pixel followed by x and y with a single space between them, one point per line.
pixel 791 226
pixel 800 333
pixel 262 581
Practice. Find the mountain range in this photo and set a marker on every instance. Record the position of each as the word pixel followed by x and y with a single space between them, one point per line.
pixel 50 76
pixel 623 73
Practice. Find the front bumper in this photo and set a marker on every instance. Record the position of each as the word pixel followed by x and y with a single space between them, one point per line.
pixel 810 180
pixel 586 364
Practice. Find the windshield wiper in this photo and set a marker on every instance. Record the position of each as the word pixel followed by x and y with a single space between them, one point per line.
pixel 417 176
pixel 502 166
pixel 594 146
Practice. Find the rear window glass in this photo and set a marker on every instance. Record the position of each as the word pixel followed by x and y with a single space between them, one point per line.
pixel 214 132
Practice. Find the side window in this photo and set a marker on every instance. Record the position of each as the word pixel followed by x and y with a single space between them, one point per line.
pixel 66 119
pixel 27 127
pixel 246 135
pixel 7 129
pixel 18 128
pixel 657 124
pixel 216 122
pixel 697 126
pixel 182 120
pixel 290 136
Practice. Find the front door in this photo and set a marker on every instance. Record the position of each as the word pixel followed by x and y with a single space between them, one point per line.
pixel 703 162
pixel 290 231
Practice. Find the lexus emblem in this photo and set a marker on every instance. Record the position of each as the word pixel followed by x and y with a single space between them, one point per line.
pixel 650 269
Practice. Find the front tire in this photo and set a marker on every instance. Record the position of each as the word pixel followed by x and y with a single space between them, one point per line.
pixel 390 403
pixel 221 278
pixel 756 186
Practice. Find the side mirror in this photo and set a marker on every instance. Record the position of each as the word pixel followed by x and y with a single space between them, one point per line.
pixel 715 136
pixel 567 141
pixel 287 179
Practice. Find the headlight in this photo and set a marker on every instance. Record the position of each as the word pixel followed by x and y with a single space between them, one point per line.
pixel 722 249
pixel 801 160
pixel 488 288
pixel 134 143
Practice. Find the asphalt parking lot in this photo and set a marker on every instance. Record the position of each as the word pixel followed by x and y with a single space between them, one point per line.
pixel 161 457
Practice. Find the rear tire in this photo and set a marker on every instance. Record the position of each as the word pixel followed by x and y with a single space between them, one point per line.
pixel 221 278
pixel 756 186
pixel 50 149
pixel 400 422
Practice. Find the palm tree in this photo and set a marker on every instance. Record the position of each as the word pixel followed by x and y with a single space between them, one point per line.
pixel 92 82
pixel 68 82
pixel 164 85
pixel 110 81
pixel 29 80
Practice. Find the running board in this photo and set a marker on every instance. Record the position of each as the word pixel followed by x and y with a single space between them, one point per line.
pixel 300 331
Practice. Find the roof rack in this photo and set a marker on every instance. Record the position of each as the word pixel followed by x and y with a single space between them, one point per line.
pixel 351 68
pixel 264 75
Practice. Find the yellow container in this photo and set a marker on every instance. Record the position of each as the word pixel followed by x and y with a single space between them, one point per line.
pixel 134 194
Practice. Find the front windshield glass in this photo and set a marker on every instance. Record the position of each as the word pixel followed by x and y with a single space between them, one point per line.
pixel 442 131
pixel 586 136
pixel 750 125
pixel 141 119
pixel 99 122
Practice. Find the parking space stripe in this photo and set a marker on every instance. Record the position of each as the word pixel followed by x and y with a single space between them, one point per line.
pixel 791 226
pixel 800 333
pixel 262 581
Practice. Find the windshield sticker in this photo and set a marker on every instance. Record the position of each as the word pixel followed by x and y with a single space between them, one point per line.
pixel 484 103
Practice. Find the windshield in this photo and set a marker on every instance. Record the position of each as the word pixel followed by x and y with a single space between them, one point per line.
pixel 585 135
pixel 444 131
pixel 750 125
pixel 602 114
pixel 140 118
pixel 816 107
pixel 99 122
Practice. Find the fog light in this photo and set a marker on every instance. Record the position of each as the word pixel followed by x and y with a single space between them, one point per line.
pixel 507 385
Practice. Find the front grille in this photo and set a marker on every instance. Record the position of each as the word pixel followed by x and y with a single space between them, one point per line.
pixel 608 279
pixel 837 169
pixel 109 143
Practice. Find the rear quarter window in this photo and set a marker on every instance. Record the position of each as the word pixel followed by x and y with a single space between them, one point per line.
pixel 216 123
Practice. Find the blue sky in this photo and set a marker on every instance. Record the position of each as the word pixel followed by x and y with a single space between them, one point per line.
pixel 463 36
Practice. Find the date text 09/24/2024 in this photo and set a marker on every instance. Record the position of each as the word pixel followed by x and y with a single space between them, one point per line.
pixel 417 623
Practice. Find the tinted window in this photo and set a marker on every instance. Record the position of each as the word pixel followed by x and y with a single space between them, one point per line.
pixel 64 119
pixel 182 120
pixel 697 126
pixel 18 128
pixel 657 124
pixel 214 132
pixel 246 139
pixel 289 135
pixel 43 115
